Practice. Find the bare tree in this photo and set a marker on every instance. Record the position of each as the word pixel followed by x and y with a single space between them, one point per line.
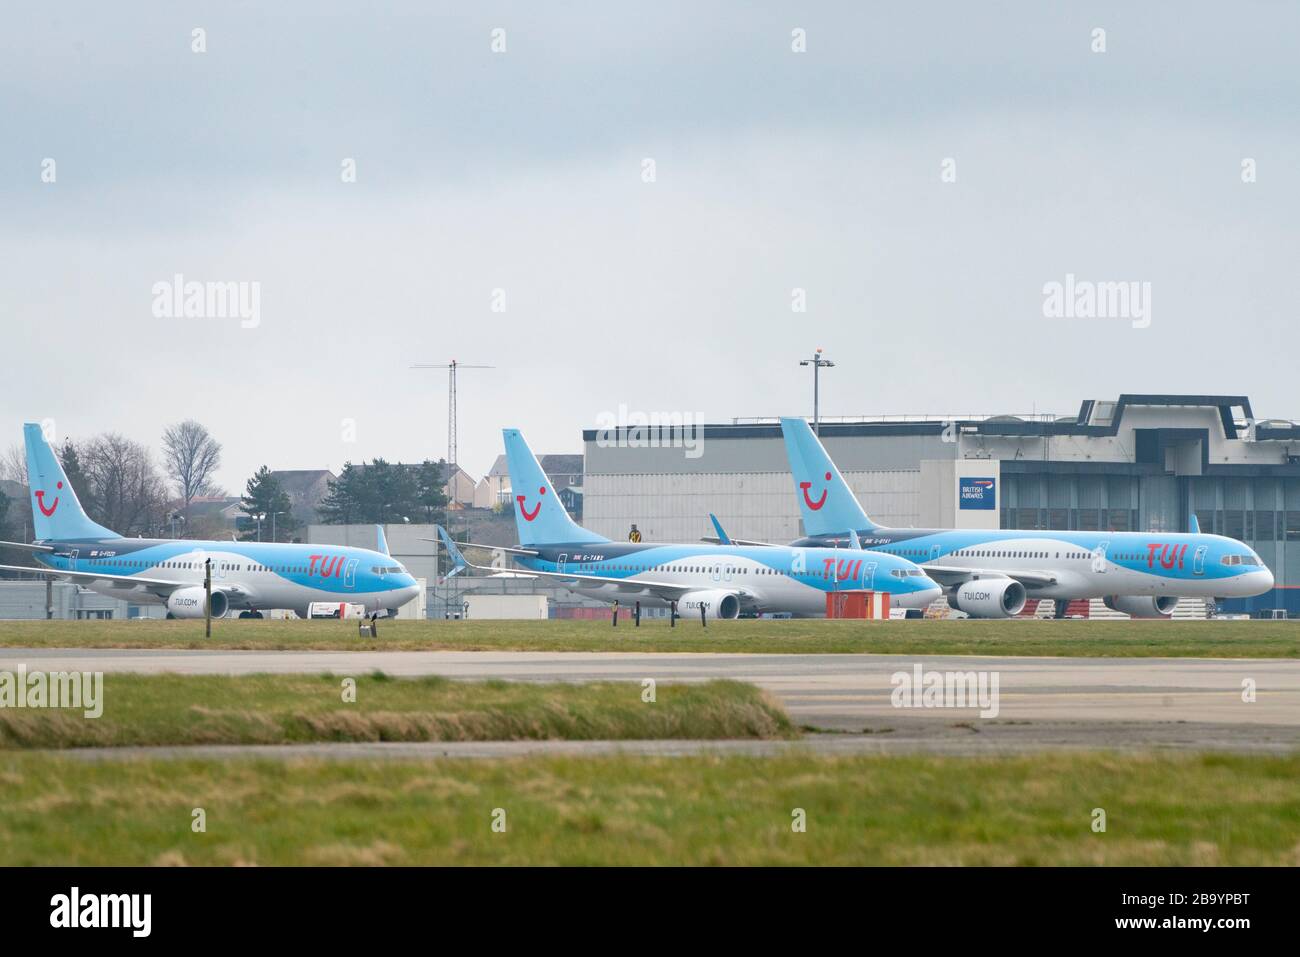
pixel 129 494
pixel 13 464
pixel 190 455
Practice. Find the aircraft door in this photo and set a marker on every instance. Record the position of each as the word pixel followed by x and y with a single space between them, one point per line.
pixel 559 562
pixel 72 559
pixel 350 574
pixel 869 576
pixel 1198 559
pixel 1099 558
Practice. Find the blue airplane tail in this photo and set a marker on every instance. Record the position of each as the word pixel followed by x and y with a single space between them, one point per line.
pixel 826 502
pixel 539 515
pixel 453 552
pixel 56 512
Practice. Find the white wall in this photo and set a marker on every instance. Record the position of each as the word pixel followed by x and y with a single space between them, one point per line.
pixel 756 505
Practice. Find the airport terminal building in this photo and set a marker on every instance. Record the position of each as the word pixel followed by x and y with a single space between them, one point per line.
pixel 1138 463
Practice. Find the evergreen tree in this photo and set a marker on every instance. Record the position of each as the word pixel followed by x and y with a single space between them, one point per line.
pixel 431 478
pixel 380 492
pixel 70 459
pixel 264 496
pixel 343 502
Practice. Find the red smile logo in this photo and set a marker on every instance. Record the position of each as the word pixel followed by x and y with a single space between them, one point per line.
pixel 523 509
pixel 805 486
pixel 40 502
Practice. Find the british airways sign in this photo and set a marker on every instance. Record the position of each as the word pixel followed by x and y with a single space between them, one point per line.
pixel 978 493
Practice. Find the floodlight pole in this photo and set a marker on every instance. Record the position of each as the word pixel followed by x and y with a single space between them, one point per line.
pixel 818 363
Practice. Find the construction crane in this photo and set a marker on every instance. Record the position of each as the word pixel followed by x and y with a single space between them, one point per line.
pixel 452 598
pixel 451 368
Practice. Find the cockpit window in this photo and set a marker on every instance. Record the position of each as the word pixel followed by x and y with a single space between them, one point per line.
pixel 1239 560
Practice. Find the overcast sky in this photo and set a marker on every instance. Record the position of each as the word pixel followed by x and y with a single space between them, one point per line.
pixel 522 171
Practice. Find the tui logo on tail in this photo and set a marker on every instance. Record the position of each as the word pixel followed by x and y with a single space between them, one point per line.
pixel 523 509
pixel 40 501
pixel 815 506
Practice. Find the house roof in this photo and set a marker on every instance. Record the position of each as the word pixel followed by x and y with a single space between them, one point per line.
pixel 296 481
pixel 209 505
pixel 561 469
pixel 13 490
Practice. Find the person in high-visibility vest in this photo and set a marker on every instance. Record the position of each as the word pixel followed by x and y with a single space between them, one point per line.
pixel 634 536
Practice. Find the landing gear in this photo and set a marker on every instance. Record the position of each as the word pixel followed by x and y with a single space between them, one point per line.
pixel 251 614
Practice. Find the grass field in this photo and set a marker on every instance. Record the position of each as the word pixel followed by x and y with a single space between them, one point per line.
pixel 283 709
pixel 707 810
pixel 1210 639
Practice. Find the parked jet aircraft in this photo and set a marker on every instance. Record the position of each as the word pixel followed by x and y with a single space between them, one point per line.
pixel 989 573
pixel 250 576
pixel 724 580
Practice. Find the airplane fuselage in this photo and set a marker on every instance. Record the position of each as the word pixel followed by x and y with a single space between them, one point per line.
pixel 1085 564
pixel 771 578
pixel 255 575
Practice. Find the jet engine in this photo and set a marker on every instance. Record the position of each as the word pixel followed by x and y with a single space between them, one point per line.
pixel 1148 606
pixel 188 603
pixel 989 598
pixel 716 603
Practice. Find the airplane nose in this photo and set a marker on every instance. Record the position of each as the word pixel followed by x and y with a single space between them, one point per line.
pixel 921 598
pixel 1265 580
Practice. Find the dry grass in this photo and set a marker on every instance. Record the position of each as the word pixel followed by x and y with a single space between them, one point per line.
pixel 282 709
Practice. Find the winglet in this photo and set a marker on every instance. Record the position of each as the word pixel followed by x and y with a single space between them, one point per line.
pixel 854 542
pixel 457 559
pixel 1194 524
pixel 381 543
pixel 723 537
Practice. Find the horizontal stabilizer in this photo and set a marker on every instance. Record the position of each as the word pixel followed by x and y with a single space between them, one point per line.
pixel 27 548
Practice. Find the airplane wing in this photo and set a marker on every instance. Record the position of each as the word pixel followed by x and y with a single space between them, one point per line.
pixel 27 548
pixel 668 591
pixel 508 549
pixel 955 575
pixel 157 586
pixel 713 539
pixel 630 587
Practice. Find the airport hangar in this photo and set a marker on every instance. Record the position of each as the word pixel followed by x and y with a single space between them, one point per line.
pixel 1139 463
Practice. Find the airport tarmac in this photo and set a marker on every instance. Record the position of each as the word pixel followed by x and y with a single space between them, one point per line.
pixel 1184 703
